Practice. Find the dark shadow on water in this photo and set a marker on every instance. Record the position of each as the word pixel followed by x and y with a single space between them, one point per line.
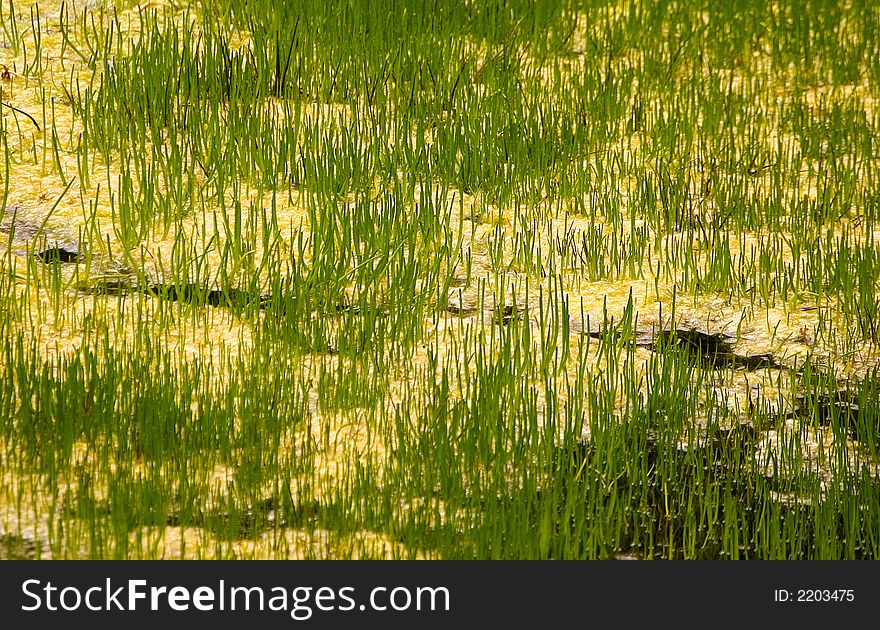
pixel 60 254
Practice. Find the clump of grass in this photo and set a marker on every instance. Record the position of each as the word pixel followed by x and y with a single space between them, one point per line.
pixel 337 266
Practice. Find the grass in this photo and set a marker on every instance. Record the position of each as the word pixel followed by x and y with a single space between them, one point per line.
pixel 473 280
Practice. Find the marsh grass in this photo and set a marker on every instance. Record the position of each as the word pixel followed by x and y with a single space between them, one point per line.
pixel 472 280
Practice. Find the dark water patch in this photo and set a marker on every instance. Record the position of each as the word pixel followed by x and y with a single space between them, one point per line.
pixel 60 254
pixel 346 308
pixel 198 295
pixel 248 523
pixel 603 333
pixel 752 361
pixel 461 311
pixel 842 405
pixel 853 410
pixel 509 313
pixel 707 349
pixel 704 343
pixel 711 349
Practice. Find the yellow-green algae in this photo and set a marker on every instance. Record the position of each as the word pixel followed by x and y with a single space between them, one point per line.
pixel 57 324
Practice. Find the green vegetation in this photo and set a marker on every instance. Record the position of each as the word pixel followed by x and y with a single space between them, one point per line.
pixel 461 279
